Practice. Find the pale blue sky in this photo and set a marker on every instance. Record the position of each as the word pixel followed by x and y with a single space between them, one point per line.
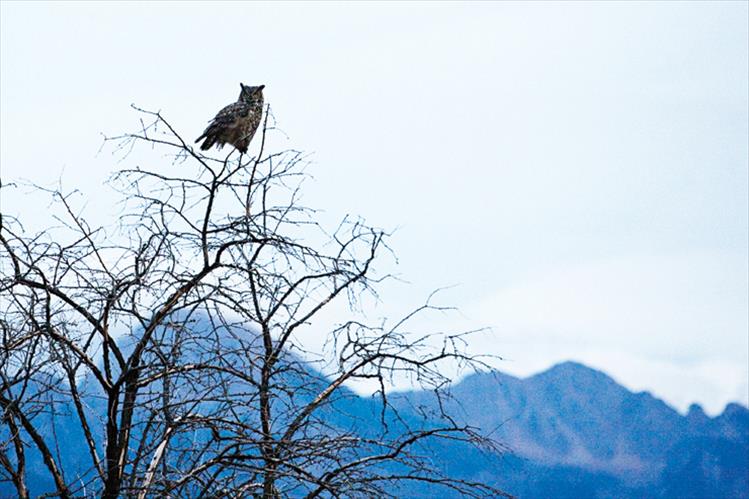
pixel 580 170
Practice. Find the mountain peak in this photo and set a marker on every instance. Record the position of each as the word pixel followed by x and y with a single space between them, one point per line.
pixel 734 409
pixel 570 370
pixel 695 410
pixel 696 415
pixel 572 366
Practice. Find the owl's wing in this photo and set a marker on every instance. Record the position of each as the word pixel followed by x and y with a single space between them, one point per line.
pixel 231 113
pixel 225 118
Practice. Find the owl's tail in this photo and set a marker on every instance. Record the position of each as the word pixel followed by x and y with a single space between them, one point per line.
pixel 210 136
pixel 208 143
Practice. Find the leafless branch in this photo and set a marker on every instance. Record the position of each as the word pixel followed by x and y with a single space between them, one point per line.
pixel 165 346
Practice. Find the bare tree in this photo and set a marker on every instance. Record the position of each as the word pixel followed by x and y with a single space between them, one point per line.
pixel 167 345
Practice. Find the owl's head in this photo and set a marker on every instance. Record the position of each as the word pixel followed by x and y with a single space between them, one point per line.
pixel 251 94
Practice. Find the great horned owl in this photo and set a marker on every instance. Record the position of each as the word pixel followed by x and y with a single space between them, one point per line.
pixel 236 123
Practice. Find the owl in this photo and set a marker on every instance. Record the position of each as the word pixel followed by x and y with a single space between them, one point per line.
pixel 237 123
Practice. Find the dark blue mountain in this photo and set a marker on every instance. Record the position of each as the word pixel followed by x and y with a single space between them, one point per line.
pixel 570 432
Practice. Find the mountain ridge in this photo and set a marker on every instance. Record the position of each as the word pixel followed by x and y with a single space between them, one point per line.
pixel 570 431
pixel 579 425
pixel 572 364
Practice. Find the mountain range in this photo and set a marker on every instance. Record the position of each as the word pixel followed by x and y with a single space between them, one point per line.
pixel 572 431
pixel 568 432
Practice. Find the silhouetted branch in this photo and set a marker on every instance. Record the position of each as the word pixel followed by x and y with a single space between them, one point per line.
pixel 166 342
